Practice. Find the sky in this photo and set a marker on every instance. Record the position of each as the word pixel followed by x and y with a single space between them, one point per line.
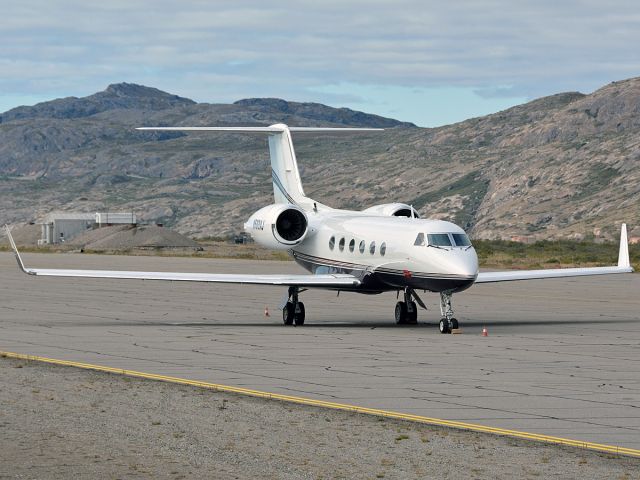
pixel 427 62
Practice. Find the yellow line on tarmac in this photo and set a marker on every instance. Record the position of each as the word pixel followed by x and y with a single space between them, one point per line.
pixel 338 406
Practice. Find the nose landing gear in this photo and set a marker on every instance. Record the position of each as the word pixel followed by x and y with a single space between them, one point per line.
pixel 293 310
pixel 447 322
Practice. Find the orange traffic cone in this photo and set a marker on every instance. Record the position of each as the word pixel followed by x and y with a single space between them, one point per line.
pixel 485 333
pixel 266 311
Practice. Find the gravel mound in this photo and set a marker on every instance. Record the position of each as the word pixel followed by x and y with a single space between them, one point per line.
pixel 122 237
pixel 96 235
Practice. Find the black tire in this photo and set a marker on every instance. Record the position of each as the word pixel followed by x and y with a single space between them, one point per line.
pixel 444 326
pixel 401 313
pixel 412 317
pixel 298 317
pixel 454 324
pixel 288 312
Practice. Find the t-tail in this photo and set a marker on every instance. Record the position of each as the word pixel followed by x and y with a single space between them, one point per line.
pixel 287 185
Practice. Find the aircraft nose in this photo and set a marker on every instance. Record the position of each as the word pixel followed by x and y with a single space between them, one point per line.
pixel 466 263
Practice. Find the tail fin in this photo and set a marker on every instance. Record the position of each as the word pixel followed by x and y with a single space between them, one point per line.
pixel 287 186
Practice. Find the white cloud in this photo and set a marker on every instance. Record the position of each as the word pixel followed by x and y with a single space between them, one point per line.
pixel 213 50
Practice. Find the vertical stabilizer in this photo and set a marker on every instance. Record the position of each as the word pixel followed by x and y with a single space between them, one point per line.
pixel 287 186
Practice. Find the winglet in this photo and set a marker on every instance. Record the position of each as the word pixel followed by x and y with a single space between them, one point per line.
pixel 15 250
pixel 623 255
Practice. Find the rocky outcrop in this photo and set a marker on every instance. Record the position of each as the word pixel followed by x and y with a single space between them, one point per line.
pixel 116 96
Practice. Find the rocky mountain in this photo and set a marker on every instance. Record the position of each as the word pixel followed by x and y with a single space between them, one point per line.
pixel 564 166
pixel 118 96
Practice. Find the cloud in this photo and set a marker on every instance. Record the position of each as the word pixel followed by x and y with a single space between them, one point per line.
pixel 223 50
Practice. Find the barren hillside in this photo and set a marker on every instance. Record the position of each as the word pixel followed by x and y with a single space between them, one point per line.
pixel 564 166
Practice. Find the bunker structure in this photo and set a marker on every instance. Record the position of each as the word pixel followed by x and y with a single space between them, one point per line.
pixel 60 227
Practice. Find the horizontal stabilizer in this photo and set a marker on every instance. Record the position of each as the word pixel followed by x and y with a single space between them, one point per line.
pixel 278 128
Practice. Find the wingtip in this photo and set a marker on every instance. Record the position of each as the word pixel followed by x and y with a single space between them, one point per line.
pixel 14 247
pixel 623 254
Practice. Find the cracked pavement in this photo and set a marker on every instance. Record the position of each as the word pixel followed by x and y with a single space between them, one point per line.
pixel 562 357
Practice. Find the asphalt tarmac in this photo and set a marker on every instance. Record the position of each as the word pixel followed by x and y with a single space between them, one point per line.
pixel 562 356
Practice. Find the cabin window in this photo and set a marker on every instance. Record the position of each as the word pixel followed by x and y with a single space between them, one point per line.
pixel 341 244
pixel 383 248
pixel 372 248
pixel 439 239
pixel 352 245
pixel 361 247
pixel 332 243
pixel 461 240
pixel 419 240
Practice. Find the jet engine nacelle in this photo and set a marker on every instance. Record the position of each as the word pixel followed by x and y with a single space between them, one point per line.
pixel 393 210
pixel 278 226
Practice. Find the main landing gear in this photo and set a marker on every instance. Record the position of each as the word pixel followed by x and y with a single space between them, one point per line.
pixel 447 322
pixel 407 311
pixel 293 310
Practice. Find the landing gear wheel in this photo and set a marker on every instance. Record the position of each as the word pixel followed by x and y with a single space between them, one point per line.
pixel 454 324
pixel 445 327
pixel 412 316
pixel 288 312
pixel 298 317
pixel 401 313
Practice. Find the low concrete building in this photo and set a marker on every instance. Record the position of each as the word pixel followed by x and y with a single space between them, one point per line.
pixel 61 227
pixel 115 218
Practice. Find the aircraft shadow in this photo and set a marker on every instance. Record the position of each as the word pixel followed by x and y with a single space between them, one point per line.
pixel 369 325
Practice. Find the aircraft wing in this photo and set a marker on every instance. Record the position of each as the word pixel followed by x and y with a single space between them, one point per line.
pixel 624 266
pixel 319 281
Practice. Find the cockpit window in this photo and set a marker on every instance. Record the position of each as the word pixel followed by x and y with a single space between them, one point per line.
pixel 461 240
pixel 439 239
pixel 419 240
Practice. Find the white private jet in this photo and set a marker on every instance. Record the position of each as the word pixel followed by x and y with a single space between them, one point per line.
pixel 383 248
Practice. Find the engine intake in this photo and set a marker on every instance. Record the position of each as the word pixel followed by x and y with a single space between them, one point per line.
pixel 291 225
pixel 278 226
